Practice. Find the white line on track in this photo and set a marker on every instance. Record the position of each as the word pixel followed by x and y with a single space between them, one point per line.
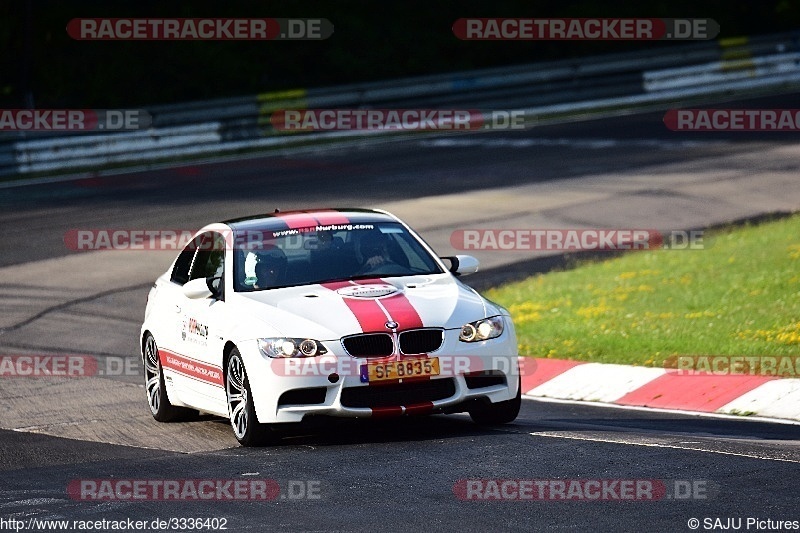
pixel 588 143
pixel 562 435
pixel 696 414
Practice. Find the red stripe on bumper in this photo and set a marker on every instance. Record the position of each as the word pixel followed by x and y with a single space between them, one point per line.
pixel 419 408
pixel 387 412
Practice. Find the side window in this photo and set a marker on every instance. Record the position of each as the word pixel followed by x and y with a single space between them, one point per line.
pixel 210 259
pixel 180 272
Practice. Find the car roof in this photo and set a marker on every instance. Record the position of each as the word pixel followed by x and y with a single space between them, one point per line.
pixel 309 218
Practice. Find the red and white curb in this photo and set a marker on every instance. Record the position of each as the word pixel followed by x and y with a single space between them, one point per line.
pixel 636 386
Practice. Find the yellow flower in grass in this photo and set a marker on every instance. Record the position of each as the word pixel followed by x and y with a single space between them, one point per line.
pixel 526 312
pixel 644 272
pixel 525 307
pixel 594 311
pixel 527 317
pixel 794 251
pixel 786 335
pixel 700 314
pixel 789 334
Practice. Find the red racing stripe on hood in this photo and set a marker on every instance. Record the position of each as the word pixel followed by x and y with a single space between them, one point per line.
pixel 369 314
pixel 400 309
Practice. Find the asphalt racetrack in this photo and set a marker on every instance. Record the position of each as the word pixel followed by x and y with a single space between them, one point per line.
pixel 628 171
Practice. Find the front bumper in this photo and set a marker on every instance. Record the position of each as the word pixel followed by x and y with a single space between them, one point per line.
pixel 288 390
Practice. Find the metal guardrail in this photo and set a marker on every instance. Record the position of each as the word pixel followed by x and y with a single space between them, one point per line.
pixel 541 90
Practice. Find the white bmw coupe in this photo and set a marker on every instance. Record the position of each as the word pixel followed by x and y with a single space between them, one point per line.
pixel 270 319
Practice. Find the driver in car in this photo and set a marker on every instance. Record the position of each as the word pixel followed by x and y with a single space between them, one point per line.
pixel 375 251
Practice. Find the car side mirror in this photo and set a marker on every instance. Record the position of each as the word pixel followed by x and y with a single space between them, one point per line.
pixel 461 265
pixel 197 289
pixel 215 285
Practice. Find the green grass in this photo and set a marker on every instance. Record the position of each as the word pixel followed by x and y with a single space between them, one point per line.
pixel 739 296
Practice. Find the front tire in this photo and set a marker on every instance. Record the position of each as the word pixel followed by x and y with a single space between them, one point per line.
pixel 160 406
pixel 496 414
pixel 241 410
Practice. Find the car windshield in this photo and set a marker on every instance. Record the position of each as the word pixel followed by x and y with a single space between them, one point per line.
pixel 270 258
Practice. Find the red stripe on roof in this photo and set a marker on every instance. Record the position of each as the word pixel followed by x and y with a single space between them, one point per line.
pixel 298 220
pixel 329 216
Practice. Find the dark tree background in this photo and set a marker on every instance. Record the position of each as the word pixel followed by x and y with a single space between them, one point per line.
pixel 372 40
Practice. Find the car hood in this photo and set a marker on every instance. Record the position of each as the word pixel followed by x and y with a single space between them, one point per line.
pixel 332 310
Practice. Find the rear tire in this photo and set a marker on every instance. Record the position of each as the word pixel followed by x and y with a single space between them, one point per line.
pixel 496 414
pixel 241 410
pixel 160 406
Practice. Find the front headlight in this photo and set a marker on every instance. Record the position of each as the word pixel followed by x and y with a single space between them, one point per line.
pixel 481 330
pixel 288 347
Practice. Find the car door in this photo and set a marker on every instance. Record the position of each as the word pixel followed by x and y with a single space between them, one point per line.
pixel 168 300
pixel 202 322
pixel 167 323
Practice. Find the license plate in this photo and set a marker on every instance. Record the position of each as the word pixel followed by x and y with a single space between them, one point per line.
pixel 395 370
